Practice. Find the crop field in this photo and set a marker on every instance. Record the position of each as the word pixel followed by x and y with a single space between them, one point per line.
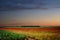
pixel 29 34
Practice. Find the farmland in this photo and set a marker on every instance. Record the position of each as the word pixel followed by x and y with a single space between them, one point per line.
pixel 30 33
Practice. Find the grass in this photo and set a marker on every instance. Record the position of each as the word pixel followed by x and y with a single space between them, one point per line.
pixel 5 35
pixel 8 35
pixel 41 35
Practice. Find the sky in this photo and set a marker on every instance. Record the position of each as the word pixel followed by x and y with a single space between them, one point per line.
pixel 29 12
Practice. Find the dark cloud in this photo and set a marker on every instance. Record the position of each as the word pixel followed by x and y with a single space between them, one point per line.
pixel 21 4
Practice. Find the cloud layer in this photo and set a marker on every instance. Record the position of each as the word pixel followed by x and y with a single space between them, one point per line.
pixel 22 4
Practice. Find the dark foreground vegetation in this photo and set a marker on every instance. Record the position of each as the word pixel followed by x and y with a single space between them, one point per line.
pixel 5 35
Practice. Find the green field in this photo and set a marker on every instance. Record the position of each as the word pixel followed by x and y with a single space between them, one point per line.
pixel 8 35
pixel 5 35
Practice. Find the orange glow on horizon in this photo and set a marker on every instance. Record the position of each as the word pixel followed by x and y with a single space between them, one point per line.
pixel 33 24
